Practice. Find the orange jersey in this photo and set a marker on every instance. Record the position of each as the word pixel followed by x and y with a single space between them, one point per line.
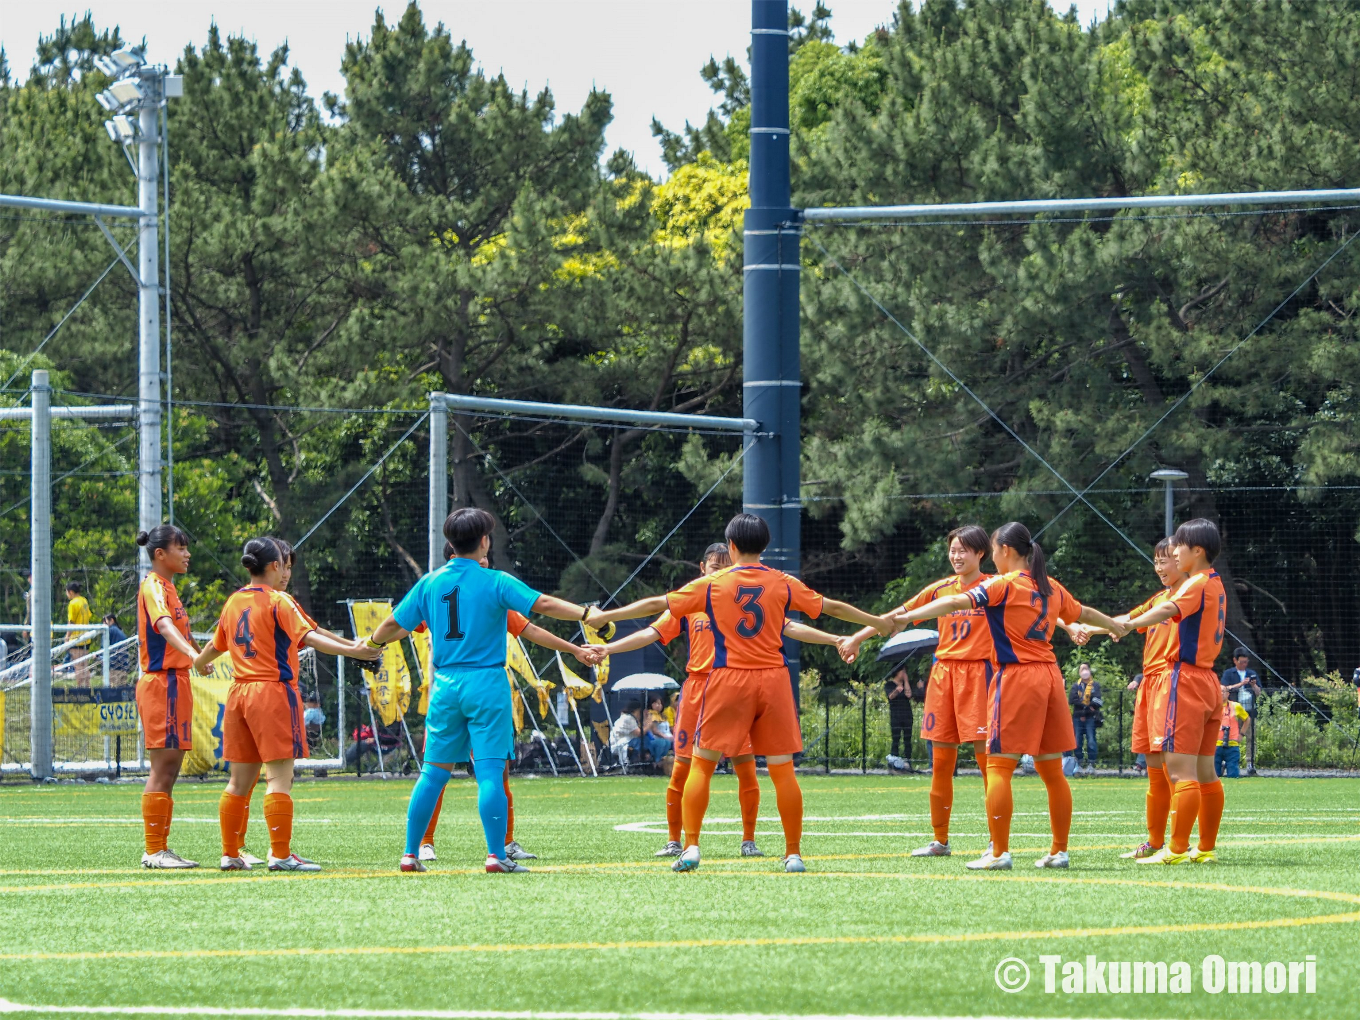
pixel 1162 645
pixel 157 600
pixel 302 612
pixel 963 634
pixel 1020 619
pixel 515 622
pixel 746 607
pixel 1201 604
pixel 263 630
pixel 697 629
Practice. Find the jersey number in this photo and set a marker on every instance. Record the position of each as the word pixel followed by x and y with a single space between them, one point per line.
pixel 960 629
pixel 753 618
pixel 453 633
pixel 1218 634
pixel 243 637
pixel 1039 632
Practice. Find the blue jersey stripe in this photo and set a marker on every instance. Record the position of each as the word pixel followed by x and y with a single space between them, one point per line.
pixel 282 645
pixel 719 642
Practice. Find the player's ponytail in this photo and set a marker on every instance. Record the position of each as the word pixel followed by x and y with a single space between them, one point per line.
pixel 259 553
pixel 1016 536
pixel 162 536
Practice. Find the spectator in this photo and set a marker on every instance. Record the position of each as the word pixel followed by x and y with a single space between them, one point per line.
pixel 1140 759
pixel 120 662
pixel 1085 699
pixel 313 718
pixel 1244 687
pixel 671 707
pixel 656 731
pixel 898 689
pixel 626 734
pixel 78 613
pixel 115 632
pixel 1228 753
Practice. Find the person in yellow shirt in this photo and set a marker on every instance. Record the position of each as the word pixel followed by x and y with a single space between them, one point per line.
pixel 78 612
pixel 1228 753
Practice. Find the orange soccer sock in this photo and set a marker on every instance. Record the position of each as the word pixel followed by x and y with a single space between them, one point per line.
pixel 156 811
pixel 1000 802
pixel 1158 805
pixel 695 801
pixel 278 818
pixel 434 821
pixel 1184 811
pixel 231 819
pixel 943 759
pixel 509 808
pixel 1059 801
pixel 788 797
pixel 981 757
pixel 675 792
pixel 1210 813
pixel 748 796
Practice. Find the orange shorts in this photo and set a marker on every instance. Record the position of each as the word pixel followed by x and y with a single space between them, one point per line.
pixel 748 711
pixel 956 701
pixel 1029 712
pixel 263 722
pixel 688 709
pixel 1147 691
pixel 1186 712
pixel 165 701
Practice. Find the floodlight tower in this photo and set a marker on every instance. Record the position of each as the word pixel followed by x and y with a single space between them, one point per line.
pixel 134 99
pixel 1170 476
pixel 772 380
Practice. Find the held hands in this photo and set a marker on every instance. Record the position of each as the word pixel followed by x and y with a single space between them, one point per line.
pixel 591 655
pixel 1079 633
pixel 362 650
pixel 848 648
pixel 888 625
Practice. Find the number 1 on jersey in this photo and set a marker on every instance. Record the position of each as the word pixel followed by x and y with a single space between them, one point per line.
pixel 451 600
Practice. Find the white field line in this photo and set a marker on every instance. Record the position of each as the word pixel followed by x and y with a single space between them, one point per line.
pixel 658 828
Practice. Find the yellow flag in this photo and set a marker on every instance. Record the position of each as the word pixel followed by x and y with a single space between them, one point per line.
pixel 516 659
pixel 602 670
pixel 424 647
pixel 210 705
pixel 389 690
pixel 576 687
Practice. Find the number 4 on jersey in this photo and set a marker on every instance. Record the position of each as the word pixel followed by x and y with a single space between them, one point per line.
pixel 243 637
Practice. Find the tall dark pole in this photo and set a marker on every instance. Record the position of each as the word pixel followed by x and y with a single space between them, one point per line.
pixel 770 332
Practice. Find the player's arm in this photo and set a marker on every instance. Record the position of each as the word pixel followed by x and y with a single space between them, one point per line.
pixel 884 625
pixel 642 607
pixel 934 610
pixel 547 639
pixel 1095 618
pixel 560 609
pixel 388 631
pixel 631 643
pixel 331 644
pixel 203 660
pixel 1159 613
pixel 806 635
pixel 185 646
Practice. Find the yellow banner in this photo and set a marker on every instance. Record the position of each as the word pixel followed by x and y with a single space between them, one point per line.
pixel 210 706
pixel 594 637
pixel 424 647
pixel 389 690
pixel 576 687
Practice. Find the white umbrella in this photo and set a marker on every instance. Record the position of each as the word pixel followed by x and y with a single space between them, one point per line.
pixel 899 646
pixel 646 682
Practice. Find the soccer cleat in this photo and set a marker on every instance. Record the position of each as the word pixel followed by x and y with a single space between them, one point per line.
pixel 688 860
pixel 249 857
pixel 794 863
pixel 933 849
pixel 292 863
pixel 671 849
pixel 749 849
pixel 1198 856
pixel 166 859
pixel 1146 850
pixel 517 853
pixel 1165 856
pixel 495 865
pixel 411 862
pixel 1058 860
pixel 427 852
pixel 989 863
pixel 234 864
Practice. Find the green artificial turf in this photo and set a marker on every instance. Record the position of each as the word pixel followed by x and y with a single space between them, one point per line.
pixel 601 925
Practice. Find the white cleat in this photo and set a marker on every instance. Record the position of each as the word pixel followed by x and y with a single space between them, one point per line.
pixel 496 865
pixel 934 849
pixel 410 862
pixel 249 857
pixel 989 863
pixel 794 863
pixel 1058 860
pixel 671 849
pixel 233 864
pixel 166 859
pixel 749 849
pixel 292 863
pixel 427 852
pixel 517 853
pixel 688 860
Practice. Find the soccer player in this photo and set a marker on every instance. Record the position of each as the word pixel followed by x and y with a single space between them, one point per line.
pixel 748 696
pixel 470 716
pixel 263 629
pixel 699 633
pixel 165 701
pixel 1184 714
pixel 1029 713
pixel 1158 651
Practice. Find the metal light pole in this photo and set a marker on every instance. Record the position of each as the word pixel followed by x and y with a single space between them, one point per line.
pixel 40 595
pixel 1170 476
pixel 772 378
pixel 439 478
pixel 149 310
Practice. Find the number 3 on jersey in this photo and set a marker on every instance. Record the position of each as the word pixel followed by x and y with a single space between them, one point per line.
pixel 243 637
pixel 753 619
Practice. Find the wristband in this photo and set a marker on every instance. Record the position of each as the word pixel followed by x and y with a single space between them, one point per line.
pixel 374 644
pixel 585 614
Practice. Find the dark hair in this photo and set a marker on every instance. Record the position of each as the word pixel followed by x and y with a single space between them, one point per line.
pixel 718 551
pixel 465 528
pixel 110 619
pixel 1162 548
pixel 1241 653
pixel 259 553
pixel 73 586
pixel 1016 535
pixel 1200 532
pixel 162 536
pixel 448 549
pixel 749 533
pixel 632 705
pixel 972 536
pixel 289 553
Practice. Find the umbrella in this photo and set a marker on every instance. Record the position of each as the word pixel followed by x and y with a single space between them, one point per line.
pixel 647 682
pixel 899 646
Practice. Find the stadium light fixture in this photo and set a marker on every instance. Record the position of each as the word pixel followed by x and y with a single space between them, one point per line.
pixel 121 129
pixel 1170 476
pixel 118 63
pixel 125 93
